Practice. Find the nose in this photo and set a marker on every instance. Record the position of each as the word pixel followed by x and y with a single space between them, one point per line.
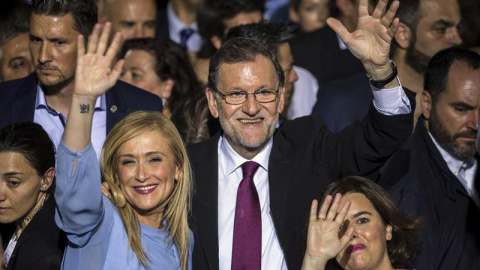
pixel 454 37
pixel 44 55
pixel 473 120
pixel 2 192
pixel 139 32
pixel 142 174
pixel 251 106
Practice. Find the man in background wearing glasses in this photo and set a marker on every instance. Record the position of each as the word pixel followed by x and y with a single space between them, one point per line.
pixel 255 183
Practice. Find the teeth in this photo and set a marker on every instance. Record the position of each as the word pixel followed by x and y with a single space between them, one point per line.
pixel 250 121
pixel 147 187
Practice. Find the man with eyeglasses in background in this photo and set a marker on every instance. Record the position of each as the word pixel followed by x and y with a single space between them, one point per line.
pixel 255 183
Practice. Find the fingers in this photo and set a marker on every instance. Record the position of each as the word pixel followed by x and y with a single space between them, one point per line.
pixel 332 212
pixel 347 236
pixel 343 212
pixel 114 47
pixel 390 15
pixel 102 44
pixel 393 29
pixel 338 27
pixel 363 8
pixel 117 70
pixel 326 204
pixel 379 9
pixel 313 210
pixel 80 46
pixel 93 39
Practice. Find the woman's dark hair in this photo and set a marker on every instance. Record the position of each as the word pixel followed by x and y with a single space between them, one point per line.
pixel 401 248
pixel 172 62
pixel 30 140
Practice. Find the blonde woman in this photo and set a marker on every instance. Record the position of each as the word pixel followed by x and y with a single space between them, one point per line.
pixel 143 224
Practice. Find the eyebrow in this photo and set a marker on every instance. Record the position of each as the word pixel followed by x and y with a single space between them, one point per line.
pixel 462 104
pixel 12 173
pixel 444 23
pixel 16 58
pixel 147 154
pixel 361 213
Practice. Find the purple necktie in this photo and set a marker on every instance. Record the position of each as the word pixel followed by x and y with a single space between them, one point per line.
pixel 247 230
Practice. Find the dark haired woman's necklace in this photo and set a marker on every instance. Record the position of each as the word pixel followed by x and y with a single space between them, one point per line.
pixel 13 241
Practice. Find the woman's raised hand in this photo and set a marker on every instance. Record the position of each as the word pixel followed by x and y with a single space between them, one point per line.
pixel 325 238
pixel 94 74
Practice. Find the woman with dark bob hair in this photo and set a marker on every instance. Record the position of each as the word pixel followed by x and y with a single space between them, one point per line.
pixel 27 205
pixel 161 67
pixel 362 229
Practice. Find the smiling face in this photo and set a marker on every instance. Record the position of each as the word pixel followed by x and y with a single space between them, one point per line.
pixel 53 45
pixel 453 119
pixel 146 175
pixel 368 247
pixel 19 187
pixel 249 126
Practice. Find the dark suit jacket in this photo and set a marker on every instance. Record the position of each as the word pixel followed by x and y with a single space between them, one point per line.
pixel 305 157
pixel 319 53
pixel 161 30
pixel 420 182
pixel 17 102
pixel 41 244
pixel 341 103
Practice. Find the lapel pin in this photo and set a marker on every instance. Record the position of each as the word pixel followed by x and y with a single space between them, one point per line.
pixel 113 109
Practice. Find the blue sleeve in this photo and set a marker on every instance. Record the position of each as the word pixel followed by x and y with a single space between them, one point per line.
pixel 78 193
pixel 190 249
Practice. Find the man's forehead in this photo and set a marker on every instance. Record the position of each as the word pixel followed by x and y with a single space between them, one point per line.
pixel 53 25
pixel 247 73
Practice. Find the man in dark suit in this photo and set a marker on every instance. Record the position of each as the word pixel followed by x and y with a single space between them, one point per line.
pixel 262 216
pixel 44 97
pixel 435 174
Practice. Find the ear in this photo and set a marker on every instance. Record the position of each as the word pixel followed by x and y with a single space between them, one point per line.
pixel 167 86
pixel 388 232
pixel 403 36
pixel 216 41
pixel 47 179
pixel 212 102
pixel 293 15
pixel 177 174
pixel 281 101
pixel 426 103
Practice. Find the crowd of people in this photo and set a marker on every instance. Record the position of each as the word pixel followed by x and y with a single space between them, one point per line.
pixel 239 134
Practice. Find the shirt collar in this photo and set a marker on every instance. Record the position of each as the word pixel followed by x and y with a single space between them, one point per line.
pixel 175 25
pixel 232 160
pixel 41 101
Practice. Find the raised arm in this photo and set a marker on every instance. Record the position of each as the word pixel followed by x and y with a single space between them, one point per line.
pixel 323 240
pixel 371 41
pixel 93 77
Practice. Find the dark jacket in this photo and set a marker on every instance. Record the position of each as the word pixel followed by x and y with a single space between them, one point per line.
pixel 41 244
pixel 17 102
pixel 305 157
pixel 419 179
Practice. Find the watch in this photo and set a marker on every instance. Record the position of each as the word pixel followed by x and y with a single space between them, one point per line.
pixel 388 79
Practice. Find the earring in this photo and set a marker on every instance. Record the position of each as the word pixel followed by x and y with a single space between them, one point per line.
pixel 43 188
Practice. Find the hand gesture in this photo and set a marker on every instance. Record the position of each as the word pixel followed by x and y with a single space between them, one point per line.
pixel 323 240
pixel 94 74
pixel 370 42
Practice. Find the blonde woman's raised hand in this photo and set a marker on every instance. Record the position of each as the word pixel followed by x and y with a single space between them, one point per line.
pixel 96 72
pixel 325 238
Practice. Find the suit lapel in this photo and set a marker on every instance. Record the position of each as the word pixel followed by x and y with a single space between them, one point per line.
pixel 279 176
pixel 116 107
pixel 23 108
pixel 205 203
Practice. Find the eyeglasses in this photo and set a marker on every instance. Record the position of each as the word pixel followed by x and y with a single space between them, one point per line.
pixel 239 97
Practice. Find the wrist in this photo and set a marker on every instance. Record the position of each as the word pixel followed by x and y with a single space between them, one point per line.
pixel 314 263
pixel 384 76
